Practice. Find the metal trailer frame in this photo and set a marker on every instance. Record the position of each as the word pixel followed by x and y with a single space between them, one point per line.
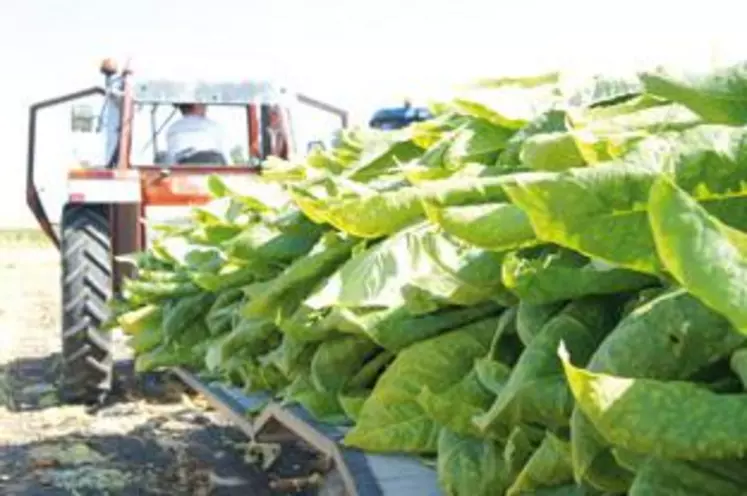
pixel 352 472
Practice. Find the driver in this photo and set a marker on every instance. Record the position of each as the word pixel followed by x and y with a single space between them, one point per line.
pixel 195 139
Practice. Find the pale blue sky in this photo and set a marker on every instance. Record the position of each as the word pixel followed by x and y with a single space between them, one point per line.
pixel 357 53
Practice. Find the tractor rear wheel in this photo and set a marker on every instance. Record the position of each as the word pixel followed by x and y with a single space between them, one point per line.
pixel 87 355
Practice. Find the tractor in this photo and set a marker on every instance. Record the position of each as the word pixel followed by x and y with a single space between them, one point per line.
pixel 106 203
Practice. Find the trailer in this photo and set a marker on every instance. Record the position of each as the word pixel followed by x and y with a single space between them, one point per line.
pixel 344 471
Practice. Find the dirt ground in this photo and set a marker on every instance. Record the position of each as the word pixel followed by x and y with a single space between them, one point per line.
pixel 146 442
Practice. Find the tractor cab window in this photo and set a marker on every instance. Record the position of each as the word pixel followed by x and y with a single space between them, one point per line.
pixel 313 127
pixel 151 123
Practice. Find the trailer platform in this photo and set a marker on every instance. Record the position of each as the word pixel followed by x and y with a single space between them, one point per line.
pixel 348 471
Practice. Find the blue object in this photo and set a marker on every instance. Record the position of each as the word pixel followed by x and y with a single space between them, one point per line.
pixel 398 117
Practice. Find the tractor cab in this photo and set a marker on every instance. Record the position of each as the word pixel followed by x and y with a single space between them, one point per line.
pixel 109 198
pixel 137 113
pixel 126 136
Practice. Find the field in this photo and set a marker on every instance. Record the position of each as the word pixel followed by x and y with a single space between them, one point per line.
pixel 138 445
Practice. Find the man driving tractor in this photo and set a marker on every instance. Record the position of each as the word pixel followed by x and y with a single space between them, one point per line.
pixel 195 139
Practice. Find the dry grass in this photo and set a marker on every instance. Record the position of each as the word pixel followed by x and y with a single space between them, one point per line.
pixel 33 238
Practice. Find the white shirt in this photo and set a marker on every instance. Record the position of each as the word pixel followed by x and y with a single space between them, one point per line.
pixel 192 134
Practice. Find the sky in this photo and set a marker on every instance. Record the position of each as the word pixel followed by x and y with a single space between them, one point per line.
pixel 357 54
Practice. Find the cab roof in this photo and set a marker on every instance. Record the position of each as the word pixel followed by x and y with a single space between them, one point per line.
pixel 167 91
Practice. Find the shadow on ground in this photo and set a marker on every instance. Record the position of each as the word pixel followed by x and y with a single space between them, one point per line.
pixel 30 384
pixel 150 439
pixel 149 460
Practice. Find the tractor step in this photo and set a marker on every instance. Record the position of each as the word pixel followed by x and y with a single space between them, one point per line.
pixel 349 472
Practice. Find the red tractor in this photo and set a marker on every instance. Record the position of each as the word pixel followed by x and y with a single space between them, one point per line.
pixel 102 216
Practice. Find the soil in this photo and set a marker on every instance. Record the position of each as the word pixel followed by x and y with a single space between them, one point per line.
pixel 154 438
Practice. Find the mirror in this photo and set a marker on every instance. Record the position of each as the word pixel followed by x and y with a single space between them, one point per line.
pixel 82 118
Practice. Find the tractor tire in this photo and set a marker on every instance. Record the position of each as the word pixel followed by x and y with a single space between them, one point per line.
pixel 87 276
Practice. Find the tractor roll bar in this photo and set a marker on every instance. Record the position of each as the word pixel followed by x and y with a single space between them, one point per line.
pixel 324 106
pixel 32 194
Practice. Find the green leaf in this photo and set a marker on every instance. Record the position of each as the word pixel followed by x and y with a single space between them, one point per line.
pixel 140 319
pixel 455 407
pixel 469 465
pixel 145 340
pixel 465 190
pixel 292 358
pixel 620 409
pixel 217 186
pixel 397 328
pixel 465 276
pixel 548 274
pixel 257 376
pixel 386 267
pixel 612 112
pixel 506 346
pixel 279 242
pixel 143 292
pixel 337 360
pixel 522 442
pixel 738 365
pixel 536 392
pixel 550 121
pixel 478 140
pixel 511 103
pixel 392 419
pixel 600 91
pixel 668 338
pixel 381 158
pixel 352 403
pixel 369 372
pixel 254 337
pixel 415 266
pixel 592 462
pixel 717 95
pixel 530 318
pixel 492 374
pixel 611 132
pixel 602 211
pixel 324 406
pixel 660 477
pixel 279 298
pixel 371 215
pixel 182 313
pixel 493 226
pixel 521 82
pixel 549 466
pixel 219 319
pixel 706 257
pixel 229 277
pixel 225 212
pixel 551 152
